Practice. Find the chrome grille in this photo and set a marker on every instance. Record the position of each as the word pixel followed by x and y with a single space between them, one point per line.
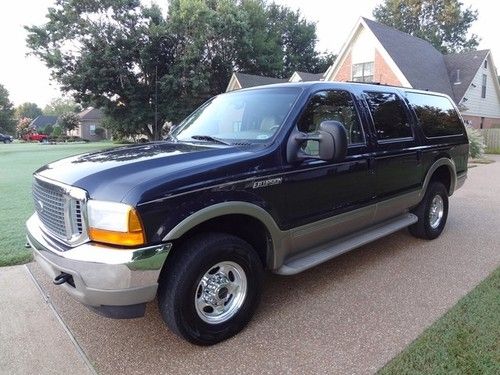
pixel 60 213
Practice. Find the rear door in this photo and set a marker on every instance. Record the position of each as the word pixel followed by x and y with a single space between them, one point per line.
pixel 397 155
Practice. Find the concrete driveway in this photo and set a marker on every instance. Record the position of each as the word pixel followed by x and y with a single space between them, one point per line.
pixel 351 315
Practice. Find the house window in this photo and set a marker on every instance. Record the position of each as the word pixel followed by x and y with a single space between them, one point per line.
pixel 362 72
pixel 485 64
pixel 92 129
pixel 483 87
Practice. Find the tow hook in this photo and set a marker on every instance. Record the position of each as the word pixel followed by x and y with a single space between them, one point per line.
pixel 62 278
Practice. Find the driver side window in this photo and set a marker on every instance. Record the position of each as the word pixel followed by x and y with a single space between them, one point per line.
pixel 328 105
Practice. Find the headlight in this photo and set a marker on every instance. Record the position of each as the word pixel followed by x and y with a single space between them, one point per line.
pixel 114 223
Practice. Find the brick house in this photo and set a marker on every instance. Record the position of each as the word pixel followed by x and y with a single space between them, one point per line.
pixel 90 123
pixel 378 53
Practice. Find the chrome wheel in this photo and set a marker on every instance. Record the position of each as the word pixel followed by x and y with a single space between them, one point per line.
pixel 220 292
pixel 436 212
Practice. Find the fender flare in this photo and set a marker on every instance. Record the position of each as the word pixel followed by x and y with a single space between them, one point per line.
pixel 438 163
pixel 232 208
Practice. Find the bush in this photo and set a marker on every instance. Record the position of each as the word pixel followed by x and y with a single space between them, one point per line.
pixel 56 131
pixel 476 143
pixel 100 132
pixel 47 130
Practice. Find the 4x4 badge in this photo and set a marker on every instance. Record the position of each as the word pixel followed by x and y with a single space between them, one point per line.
pixel 264 183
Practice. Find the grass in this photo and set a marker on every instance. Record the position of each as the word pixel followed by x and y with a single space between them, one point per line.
pixel 18 162
pixel 466 340
pixel 492 151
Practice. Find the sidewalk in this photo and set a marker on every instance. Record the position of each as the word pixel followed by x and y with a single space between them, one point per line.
pixel 33 339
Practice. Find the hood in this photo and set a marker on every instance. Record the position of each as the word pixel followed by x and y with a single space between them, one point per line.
pixel 111 174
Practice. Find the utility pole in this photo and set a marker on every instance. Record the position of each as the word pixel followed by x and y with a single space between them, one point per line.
pixel 156 103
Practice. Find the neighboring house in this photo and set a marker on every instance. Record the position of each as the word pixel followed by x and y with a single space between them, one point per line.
pixel 90 121
pixel 42 121
pixel 243 81
pixel 377 53
pixel 306 77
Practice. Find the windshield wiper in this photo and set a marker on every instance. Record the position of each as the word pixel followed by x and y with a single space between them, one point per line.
pixel 210 139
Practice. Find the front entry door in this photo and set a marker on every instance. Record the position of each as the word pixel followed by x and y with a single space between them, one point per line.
pixel 319 192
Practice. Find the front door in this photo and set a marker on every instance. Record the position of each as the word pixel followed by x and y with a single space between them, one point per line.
pixel 319 192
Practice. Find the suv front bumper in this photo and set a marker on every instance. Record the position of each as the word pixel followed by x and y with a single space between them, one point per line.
pixel 115 282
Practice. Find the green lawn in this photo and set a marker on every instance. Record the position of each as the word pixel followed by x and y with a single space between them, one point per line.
pixel 466 340
pixel 18 162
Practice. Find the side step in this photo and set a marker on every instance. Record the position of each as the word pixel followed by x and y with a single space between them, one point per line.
pixel 340 246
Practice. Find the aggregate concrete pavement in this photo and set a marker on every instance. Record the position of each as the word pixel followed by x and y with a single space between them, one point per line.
pixel 32 339
pixel 350 315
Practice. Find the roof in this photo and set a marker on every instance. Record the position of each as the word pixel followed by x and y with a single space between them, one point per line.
pixel 467 64
pixel 91 113
pixel 250 80
pixel 421 63
pixel 306 77
pixel 42 121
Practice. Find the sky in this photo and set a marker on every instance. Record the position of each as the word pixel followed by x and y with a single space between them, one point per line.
pixel 28 80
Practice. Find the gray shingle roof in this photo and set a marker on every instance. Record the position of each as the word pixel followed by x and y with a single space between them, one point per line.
pixel 421 63
pixel 307 77
pixel 250 80
pixel 42 121
pixel 91 113
pixel 467 63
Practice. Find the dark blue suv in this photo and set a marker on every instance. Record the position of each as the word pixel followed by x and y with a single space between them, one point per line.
pixel 281 177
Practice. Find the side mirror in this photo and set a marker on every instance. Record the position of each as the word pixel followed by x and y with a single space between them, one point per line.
pixel 331 138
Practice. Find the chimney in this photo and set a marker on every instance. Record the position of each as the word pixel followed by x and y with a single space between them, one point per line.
pixel 457 81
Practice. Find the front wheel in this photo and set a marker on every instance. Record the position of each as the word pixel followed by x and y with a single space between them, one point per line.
pixel 432 212
pixel 210 288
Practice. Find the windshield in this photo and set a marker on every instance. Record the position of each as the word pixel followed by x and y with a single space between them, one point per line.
pixel 240 116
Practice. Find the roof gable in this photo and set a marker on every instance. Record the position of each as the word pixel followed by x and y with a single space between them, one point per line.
pixel 462 68
pixel 422 64
pixel 91 113
pixel 250 80
pixel 306 77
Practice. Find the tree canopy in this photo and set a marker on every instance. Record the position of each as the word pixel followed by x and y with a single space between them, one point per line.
pixel 7 120
pixel 58 106
pixel 29 110
pixel 144 68
pixel 68 121
pixel 443 23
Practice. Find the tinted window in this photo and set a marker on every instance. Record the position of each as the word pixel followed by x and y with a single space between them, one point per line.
pixel 332 105
pixel 388 115
pixel 436 115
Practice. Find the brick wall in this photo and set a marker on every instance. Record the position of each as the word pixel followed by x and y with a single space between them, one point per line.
pixel 344 73
pixel 383 73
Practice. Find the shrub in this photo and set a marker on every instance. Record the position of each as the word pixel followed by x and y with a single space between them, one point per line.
pixel 476 143
pixel 56 131
pixel 100 132
pixel 23 127
pixel 47 130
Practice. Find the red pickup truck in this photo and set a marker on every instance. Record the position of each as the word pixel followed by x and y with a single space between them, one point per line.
pixel 35 137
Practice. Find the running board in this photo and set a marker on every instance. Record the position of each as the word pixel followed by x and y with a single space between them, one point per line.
pixel 340 246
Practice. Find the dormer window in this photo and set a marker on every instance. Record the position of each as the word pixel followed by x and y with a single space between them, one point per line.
pixel 362 72
pixel 483 87
pixel 485 64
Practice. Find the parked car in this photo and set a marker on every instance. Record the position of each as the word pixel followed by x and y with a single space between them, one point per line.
pixel 5 138
pixel 279 178
pixel 35 137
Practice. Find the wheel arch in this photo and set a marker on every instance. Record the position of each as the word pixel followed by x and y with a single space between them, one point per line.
pixel 444 170
pixel 236 218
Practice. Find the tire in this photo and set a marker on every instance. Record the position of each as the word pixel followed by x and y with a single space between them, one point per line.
pixel 429 226
pixel 225 261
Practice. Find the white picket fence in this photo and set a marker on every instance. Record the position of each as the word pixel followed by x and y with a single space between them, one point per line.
pixel 492 138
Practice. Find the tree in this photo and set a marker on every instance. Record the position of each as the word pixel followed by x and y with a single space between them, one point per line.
pixel 29 110
pixel 145 68
pixel 443 23
pixel 24 127
pixel 68 121
pixel 58 106
pixel 7 121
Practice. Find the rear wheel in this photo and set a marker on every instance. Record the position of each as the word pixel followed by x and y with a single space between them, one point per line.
pixel 210 288
pixel 432 212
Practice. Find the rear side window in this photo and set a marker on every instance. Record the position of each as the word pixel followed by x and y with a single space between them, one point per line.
pixel 436 115
pixel 388 115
